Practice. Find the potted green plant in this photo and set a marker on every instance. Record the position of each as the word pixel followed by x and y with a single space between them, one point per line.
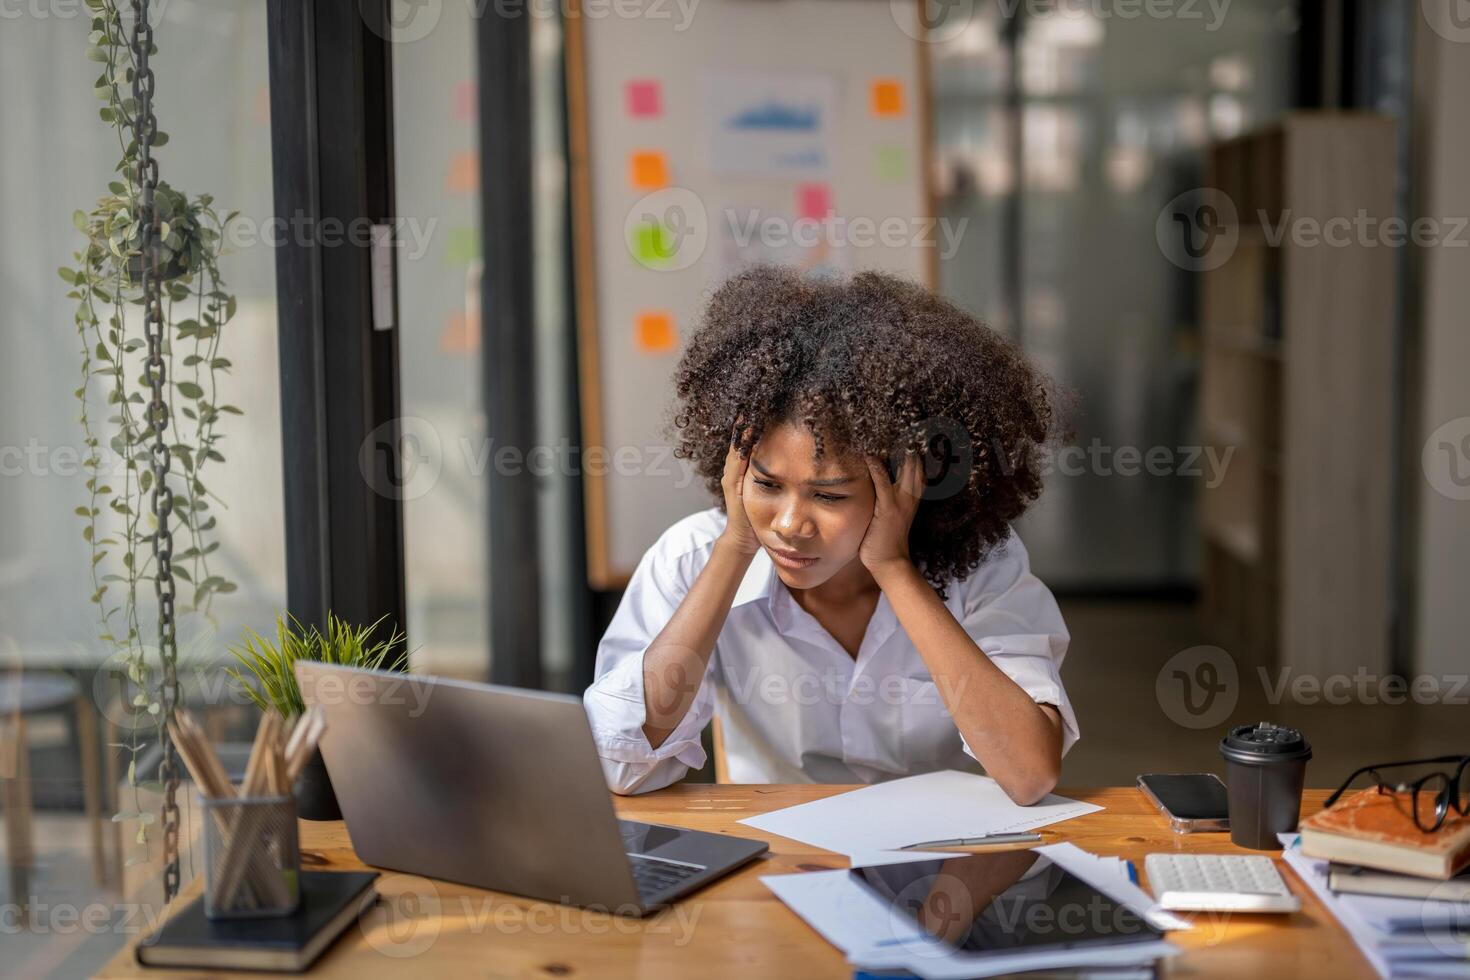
pixel 267 676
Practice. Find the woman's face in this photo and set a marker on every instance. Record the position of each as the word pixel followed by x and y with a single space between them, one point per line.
pixel 809 514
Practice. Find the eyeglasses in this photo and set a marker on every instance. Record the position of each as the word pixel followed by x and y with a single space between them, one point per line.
pixel 1432 796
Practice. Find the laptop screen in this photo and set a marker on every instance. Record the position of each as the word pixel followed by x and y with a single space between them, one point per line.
pixel 1004 901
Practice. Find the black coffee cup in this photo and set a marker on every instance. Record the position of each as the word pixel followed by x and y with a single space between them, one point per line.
pixel 1265 767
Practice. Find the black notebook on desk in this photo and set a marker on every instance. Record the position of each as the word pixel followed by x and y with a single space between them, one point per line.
pixel 330 902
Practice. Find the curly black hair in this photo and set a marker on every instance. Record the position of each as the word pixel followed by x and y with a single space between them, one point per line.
pixel 872 365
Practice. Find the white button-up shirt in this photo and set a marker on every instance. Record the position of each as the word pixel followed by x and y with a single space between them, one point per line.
pixel 794 705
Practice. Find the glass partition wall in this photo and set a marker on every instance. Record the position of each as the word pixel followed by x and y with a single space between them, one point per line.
pixel 75 843
pixel 1060 135
pixel 438 165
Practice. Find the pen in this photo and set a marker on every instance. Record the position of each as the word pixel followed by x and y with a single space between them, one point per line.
pixel 1020 838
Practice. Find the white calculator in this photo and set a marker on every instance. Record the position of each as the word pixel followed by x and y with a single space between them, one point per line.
pixel 1218 883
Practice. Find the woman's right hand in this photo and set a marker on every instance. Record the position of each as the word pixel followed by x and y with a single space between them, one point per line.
pixel 738 531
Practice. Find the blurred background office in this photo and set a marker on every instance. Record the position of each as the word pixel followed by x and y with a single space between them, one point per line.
pixel 1264 508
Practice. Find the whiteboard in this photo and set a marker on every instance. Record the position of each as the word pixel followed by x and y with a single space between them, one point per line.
pixel 715 135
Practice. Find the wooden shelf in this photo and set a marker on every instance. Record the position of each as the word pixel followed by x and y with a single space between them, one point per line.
pixel 1296 373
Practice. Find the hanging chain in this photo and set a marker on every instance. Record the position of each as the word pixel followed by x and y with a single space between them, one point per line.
pixel 145 126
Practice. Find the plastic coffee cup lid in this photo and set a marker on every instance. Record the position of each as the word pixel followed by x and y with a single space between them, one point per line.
pixel 1264 744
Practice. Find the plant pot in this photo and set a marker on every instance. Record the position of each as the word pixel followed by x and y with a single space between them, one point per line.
pixel 175 267
pixel 315 798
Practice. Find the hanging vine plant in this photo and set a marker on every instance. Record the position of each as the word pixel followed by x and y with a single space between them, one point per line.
pixel 151 311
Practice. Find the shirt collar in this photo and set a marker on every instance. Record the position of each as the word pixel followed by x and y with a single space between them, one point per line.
pixel 759 580
pixel 760 583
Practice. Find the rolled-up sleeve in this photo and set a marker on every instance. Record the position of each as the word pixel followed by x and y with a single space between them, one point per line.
pixel 1013 617
pixel 615 702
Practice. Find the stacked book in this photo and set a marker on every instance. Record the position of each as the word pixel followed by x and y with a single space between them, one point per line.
pixel 1403 894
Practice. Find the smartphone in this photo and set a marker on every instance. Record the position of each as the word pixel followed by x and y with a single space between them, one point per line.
pixel 1193 801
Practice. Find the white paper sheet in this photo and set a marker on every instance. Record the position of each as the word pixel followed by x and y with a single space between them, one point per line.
pixel 933 806
pixel 959 966
pixel 847 915
pixel 770 125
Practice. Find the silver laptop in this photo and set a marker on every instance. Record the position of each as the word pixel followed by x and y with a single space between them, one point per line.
pixel 496 787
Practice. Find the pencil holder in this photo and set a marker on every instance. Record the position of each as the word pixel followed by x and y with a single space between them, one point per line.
pixel 252 860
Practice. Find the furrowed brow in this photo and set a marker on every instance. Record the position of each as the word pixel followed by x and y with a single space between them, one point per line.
pixel 831 481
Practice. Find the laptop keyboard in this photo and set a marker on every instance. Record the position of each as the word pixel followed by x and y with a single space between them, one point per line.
pixel 653 875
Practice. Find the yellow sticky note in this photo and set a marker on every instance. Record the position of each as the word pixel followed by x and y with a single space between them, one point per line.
pixel 886 97
pixel 462 246
pixel 648 170
pixel 653 246
pixel 891 161
pixel 655 333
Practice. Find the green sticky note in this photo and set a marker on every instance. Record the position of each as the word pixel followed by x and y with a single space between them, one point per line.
pixel 652 243
pixel 891 161
pixel 462 246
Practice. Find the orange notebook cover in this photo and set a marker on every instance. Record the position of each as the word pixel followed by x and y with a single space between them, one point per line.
pixel 1377 830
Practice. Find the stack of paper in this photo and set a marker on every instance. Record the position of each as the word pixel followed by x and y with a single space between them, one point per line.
pixel 868 824
pixel 875 936
pixel 1402 937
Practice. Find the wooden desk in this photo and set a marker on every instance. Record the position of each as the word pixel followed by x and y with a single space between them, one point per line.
pixel 737 928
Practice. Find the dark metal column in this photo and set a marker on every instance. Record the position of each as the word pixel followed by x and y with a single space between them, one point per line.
pixel 507 322
pixel 332 150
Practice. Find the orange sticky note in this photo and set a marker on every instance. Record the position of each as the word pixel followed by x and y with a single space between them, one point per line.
pixel 464 173
pixel 655 333
pixel 461 333
pixel 648 171
pixel 887 97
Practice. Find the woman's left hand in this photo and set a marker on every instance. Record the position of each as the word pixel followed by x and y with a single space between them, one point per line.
pixel 894 505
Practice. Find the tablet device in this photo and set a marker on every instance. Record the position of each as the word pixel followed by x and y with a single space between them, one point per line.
pixel 1004 902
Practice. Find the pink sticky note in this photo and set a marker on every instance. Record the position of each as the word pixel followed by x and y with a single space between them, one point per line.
pixel 464 100
pixel 645 98
pixel 813 201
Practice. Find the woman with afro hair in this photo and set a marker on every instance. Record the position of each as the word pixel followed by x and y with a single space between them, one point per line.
pixel 855 607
